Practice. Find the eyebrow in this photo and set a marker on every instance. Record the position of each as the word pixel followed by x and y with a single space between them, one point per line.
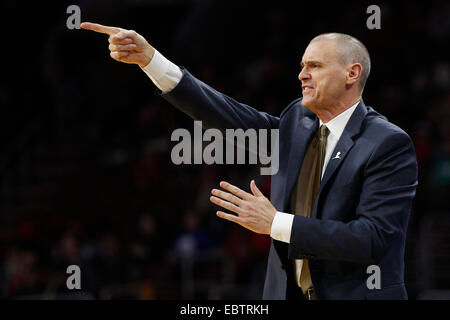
pixel 310 62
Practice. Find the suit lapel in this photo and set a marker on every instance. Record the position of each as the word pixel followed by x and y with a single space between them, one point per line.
pixel 302 135
pixel 343 146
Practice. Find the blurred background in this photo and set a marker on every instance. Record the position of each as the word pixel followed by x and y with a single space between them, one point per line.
pixel 85 171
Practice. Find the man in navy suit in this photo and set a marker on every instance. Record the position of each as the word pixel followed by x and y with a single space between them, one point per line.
pixel 368 172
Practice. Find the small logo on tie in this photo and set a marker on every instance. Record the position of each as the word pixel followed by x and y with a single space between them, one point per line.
pixel 338 155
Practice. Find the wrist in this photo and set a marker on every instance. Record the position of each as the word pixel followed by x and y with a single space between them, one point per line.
pixel 271 222
pixel 147 58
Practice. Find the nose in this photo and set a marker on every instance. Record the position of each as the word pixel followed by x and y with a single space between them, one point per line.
pixel 304 75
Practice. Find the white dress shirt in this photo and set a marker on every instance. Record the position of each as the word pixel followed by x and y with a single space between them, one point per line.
pixel 166 75
pixel 282 223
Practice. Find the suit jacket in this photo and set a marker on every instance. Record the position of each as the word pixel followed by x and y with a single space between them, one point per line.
pixel 361 213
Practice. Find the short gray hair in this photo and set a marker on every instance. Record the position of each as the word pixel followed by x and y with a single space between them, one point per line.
pixel 350 50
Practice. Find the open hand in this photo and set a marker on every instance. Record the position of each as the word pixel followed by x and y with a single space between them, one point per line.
pixel 254 211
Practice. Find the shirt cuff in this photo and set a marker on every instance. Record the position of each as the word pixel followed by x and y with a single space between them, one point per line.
pixel 282 227
pixel 164 74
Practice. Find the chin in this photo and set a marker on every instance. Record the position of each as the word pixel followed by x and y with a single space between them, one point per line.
pixel 306 102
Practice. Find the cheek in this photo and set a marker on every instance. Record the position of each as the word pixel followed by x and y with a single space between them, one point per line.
pixel 322 81
pixel 327 88
pixel 332 83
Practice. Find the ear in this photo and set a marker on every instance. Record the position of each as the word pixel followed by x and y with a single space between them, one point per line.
pixel 354 71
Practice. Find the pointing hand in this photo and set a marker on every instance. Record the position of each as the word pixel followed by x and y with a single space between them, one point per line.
pixel 126 46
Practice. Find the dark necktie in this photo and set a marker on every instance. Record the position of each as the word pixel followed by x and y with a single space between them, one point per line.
pixel 305 193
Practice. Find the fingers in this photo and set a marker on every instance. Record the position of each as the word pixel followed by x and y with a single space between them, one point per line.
pixel 235 190
pixel 255 189
pixel 225 204
pixel 226 196
pixel 119 51
pixel 100 28
pixel 229 217
pixel 125 45
pixel 123 34
pixel 119 47
pixel 114 40
pixel 119 54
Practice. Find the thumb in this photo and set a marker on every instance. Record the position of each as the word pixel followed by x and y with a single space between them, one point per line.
pixel 255 189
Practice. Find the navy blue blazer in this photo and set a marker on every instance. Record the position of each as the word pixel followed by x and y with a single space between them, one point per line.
pixel 362 209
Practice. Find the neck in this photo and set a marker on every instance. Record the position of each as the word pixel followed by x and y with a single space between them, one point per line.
pixel 328 114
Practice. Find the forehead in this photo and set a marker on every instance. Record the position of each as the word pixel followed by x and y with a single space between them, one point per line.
pixel 321 50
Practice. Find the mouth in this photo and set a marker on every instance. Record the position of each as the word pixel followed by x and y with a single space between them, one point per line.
pixel 306 89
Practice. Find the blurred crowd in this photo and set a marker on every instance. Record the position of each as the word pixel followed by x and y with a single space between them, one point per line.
pixel 86 175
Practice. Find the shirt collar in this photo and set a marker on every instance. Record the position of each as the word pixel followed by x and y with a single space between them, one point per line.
pixel 338 123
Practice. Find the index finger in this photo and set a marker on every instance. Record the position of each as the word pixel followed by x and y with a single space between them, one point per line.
pixel 100 28
pixel 235 190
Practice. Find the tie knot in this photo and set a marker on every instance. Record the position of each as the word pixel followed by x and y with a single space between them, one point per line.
pixel 323 131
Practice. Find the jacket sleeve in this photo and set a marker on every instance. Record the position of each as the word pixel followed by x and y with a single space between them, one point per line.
pixel 214 109
pixel 381 217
